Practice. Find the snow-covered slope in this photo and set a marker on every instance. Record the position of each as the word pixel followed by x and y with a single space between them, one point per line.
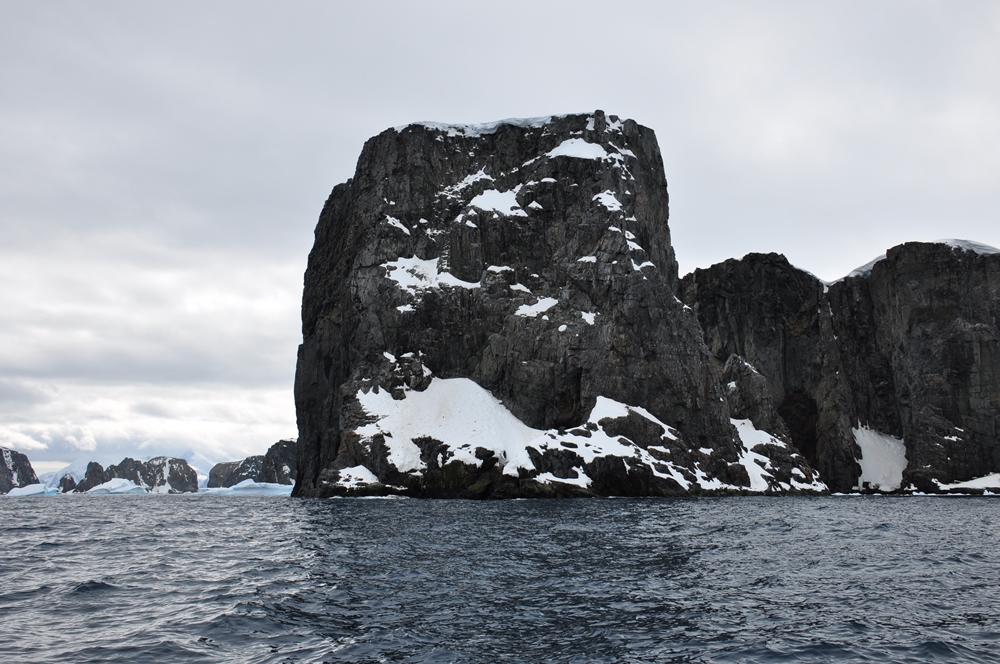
pixel 454 423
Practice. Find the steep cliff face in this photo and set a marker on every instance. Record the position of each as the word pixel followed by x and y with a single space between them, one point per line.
pixel 15 470
pixel 776 318
pixel 924 324
pixel 277 466
pixel 530 259
pixel 93 477
pixel 898 358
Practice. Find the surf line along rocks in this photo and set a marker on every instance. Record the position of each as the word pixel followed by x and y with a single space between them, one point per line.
pixel 491 311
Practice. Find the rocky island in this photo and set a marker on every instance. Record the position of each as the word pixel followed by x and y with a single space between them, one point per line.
pixel 495 311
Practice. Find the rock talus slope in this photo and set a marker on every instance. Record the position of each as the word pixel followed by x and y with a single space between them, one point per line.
pixel 491 310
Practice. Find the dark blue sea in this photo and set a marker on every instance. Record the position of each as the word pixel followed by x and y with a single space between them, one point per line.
pixel 245 579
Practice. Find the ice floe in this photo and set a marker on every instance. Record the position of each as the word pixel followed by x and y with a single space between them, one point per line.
pixel 250 488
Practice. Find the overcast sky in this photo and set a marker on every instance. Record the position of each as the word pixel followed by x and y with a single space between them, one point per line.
pixel 162 166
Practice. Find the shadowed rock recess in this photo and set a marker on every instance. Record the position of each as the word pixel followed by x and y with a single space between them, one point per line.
pixel 492 311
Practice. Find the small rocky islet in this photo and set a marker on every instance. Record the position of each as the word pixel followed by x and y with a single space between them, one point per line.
pixel 494 311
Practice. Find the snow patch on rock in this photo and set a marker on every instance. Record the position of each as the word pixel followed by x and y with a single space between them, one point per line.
pixel 540 307
pixel 578 148
pixel 414 275
pixel 502 202
pixel 883 459
pixel 482 129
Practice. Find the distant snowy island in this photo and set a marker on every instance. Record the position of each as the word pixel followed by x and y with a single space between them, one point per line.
pixel 270 474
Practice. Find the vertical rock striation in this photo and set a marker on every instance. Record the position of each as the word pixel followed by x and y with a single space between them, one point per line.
pixel 906 347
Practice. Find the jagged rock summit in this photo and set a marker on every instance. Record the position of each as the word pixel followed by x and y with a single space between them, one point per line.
pixel 492 311
pixel 158 475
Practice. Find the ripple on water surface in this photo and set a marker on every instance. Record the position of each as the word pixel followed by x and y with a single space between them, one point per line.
pixel 255 579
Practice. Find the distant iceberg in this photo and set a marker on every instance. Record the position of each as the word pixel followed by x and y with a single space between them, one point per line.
pixel 118 486
pixel 250 488
pixel 30 490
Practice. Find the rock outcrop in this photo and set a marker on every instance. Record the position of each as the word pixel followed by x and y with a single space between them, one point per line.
pixel 491 311
pixel 158 475
pixel 277 466
pixel 231 473
pixel 280 463
pixel 15 470
pixel 94 476
pixel 902 353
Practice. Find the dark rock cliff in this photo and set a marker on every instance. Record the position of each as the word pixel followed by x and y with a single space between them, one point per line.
pixel 277 466
pixel 15 470
pixel 776 318
pixel 231 473
pixel 907 347
pixel 158 475
pixel 94 476
pixel 533 258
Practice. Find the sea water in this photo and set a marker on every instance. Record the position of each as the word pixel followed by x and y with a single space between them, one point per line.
pixel 257 579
